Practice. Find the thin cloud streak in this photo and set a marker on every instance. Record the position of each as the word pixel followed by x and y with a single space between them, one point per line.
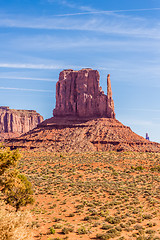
pixel 128 26
pixel 25 89
pixel 107 12
pixel 30 79
pixel 37 66
pixel 48 43
pixel 144 109
pixel 29 66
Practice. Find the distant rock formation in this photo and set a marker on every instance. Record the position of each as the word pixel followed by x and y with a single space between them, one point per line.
pixel 78 94
pixel 18 121
pixel 84 120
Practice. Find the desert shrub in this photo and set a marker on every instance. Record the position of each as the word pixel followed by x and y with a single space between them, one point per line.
pixel 67 230
pixel 52 230
pixel 71 215
pixel 87 218
pixel 82 230
pixel 147 216
pixel 14 225
pixel 150 231
pixel 16 188
pixel 57 226
pixel 138 168
pixel 113 220
pixel 155 169
pixel 110 234
pixel 106 226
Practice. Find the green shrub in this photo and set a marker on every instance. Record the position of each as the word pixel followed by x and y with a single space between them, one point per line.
pixel 113 220
pixel 52 230
pixel 82 230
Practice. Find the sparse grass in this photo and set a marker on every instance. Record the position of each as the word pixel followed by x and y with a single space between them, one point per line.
pixel 101 195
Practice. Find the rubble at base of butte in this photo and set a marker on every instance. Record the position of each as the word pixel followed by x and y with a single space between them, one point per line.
pixel 84 120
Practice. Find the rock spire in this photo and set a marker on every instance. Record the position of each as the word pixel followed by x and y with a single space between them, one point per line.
pixel 79 95
pixel 110 102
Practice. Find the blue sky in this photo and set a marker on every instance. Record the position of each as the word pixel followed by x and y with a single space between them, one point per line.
pixel 40 38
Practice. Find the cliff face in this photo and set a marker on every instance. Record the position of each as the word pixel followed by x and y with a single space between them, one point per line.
pixel 78 94
pixel 18 121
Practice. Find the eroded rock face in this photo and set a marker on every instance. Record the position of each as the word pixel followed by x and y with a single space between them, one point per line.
pixel 78 94
pixel 18 121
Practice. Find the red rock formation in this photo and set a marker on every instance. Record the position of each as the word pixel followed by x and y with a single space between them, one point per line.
pixel 84 120
pixel 79 135
pixel 110 102
pixel 18 121
pixel 78 94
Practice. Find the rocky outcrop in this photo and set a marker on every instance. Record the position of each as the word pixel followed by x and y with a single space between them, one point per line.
pixel 78 94
pixel 18 121
pixel 79 135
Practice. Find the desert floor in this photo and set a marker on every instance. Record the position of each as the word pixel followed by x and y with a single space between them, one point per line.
pixel 100 195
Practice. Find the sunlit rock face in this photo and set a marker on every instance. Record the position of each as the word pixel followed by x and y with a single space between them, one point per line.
pixel 18 121
pixel 78 94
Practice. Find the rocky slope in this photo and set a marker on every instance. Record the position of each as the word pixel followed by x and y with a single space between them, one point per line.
pixel 16 122
pixel 72 135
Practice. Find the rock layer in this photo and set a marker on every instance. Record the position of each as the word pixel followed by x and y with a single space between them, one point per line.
pixel 68 135
pixel 78 94
pixel 18 121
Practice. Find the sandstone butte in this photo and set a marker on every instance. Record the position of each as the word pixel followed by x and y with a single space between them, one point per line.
pixel 14 123
pixel 83 120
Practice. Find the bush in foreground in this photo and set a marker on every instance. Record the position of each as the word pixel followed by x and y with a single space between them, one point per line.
pixel 14 225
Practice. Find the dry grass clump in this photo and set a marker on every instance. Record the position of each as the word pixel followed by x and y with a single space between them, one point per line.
pixel 14 225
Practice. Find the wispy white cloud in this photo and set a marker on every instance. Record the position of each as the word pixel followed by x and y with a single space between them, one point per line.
pixel 127 26
pixel 29 66
pixel 38 66
pixel 49 42
pixel 25 89
pixel 72 5
pixel 30 79
pixel 90 10
pixel 108 12
pixel 144 109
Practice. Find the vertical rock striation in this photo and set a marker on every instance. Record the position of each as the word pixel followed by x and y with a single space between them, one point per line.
pixel 18 121
pixel 78 94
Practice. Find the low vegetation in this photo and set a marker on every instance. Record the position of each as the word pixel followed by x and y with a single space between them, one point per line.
pixel 100 195
pixel 16 191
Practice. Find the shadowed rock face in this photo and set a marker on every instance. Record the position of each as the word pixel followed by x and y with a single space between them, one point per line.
pixel 78 94
pixel 18 121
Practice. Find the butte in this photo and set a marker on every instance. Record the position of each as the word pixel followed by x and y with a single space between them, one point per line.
pixel 83 120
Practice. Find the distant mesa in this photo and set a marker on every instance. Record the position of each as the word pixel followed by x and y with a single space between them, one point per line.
pixel 83 120
pixel 16 122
